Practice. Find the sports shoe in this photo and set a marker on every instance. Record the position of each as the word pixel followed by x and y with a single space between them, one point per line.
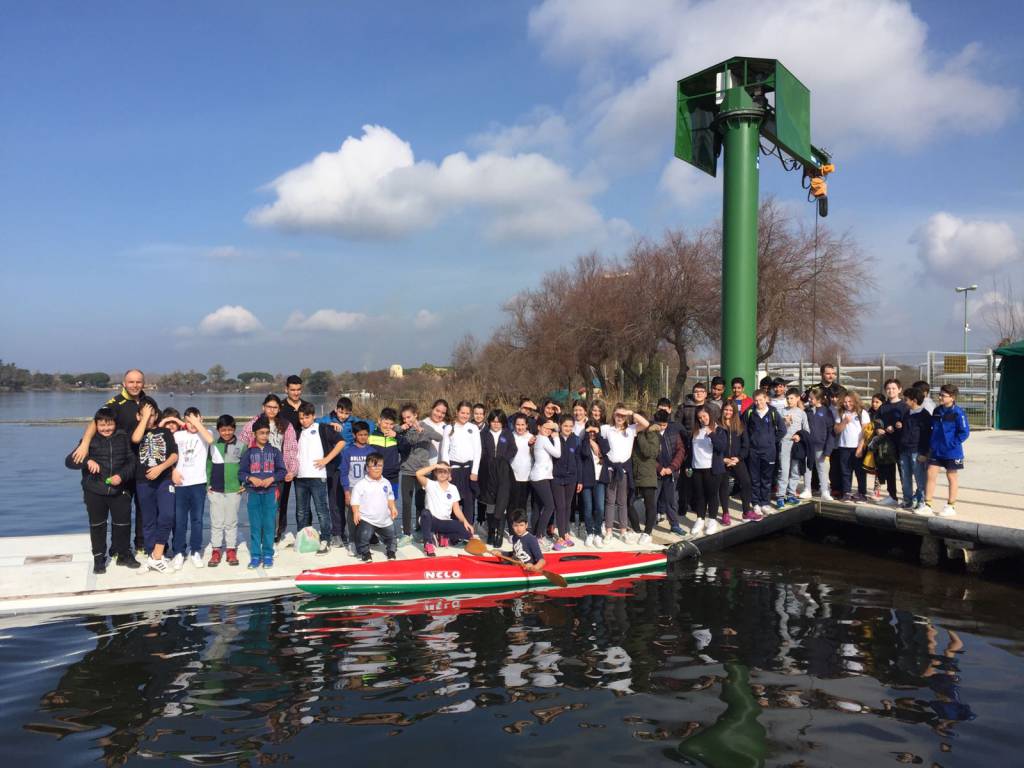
pixel 404 540
pixel 948 511
pixel 351 547
pixel 392 556
pixel 726 520
pixel 711 527
pixel 678 530
pixel 99 565
pixel 607 536
pixel 268 562
pixel 753 514
pixel 807 494
pixel 324 548
pixel 232 556
pixel 757 510
pixel 698 527
pixel 253 564
pixel 366 558
pixel 569 542
pixel 558 546
pixel 197 560
pixel 598 541
pixel 826 497
pixel 178 561
pixel 288 540
pixel 429 550
pixel 906 505
pixel 140 551
pixel 645 538
pixel 215 557
pixel 589 541
pixel 888 501
pixel 160 566
pixel 128 561
pixel 780 503
pixel 442 541
pixel 924 510
pixel 791 499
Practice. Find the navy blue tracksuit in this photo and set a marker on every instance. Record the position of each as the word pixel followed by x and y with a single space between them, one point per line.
pixel 764 433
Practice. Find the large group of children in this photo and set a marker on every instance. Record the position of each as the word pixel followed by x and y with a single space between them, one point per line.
pixel 543 477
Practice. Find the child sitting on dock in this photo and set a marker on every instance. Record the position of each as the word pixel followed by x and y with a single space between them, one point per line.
pixel 525 547
pixel 107 471
pixel 373 509
pixel 351 471
pixel 442 502
pixel 946 449
pixel 261 470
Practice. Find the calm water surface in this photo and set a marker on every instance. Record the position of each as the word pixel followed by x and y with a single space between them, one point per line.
pixel 836 659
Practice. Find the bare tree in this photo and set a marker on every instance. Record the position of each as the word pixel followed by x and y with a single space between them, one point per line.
pixel 1004 316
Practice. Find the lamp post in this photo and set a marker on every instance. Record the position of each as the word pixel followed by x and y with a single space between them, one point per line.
pixel 967 328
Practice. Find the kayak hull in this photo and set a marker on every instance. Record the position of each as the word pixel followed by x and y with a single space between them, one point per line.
pixel 467 573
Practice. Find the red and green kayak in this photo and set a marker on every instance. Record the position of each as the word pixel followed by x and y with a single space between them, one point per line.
pixel 436 575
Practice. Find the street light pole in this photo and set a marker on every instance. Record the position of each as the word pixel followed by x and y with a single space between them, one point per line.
pixel 965 291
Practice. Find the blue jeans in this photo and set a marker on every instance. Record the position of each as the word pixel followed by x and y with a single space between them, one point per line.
pixel 189 503
pixel 365 531
pixel 668 498
pixel 913 472
pixel 314 488
pixel 262 524
pixel 156 500
pixel 593 508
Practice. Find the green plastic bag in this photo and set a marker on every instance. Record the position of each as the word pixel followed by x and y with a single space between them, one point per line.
pixel 308 540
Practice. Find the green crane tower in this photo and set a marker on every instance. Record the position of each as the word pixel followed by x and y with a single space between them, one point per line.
pixel 731 106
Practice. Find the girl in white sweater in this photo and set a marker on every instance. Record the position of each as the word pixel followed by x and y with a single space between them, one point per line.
pixel 546 447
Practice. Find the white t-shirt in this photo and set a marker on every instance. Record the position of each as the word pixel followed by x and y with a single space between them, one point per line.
pixel 545 450
pixel 703 451
pixel 440 500
pixel 372 497
pixel 523 461
pixel 850 436
pixel 191 457
pixel 620 445
pixel 311 449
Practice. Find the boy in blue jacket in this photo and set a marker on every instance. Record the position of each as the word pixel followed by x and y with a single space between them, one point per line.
pixel 765 429
pixel 261 471
pixel 949 430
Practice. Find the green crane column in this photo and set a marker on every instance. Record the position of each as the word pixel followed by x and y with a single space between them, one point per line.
pixel 740 130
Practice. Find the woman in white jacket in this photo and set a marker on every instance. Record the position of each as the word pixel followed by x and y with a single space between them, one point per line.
pixel 546 447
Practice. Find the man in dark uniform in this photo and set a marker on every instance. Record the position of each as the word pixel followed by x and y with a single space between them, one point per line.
pixel 125 405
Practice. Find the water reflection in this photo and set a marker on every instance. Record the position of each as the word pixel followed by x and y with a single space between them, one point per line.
pixel 642 669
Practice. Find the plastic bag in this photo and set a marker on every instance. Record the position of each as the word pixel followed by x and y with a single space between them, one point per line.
pixel 308 540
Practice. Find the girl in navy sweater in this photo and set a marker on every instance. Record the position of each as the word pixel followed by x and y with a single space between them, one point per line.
pixel 821 423
pixel 497 451
pixel 734 446
pixel 567 480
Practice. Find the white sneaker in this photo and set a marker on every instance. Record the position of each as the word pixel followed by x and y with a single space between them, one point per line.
pixel 698 527
pixel 178 561
pixel 924 510
pixel 589 541
pixel 826 497
pixel 288 540
pixel 711 527
pixel 888 501
pixel 598 541
pixel 197 560
pixel 160 566
pixel 948 511
pixel 757 509
pixel 645 538
pixel 807 494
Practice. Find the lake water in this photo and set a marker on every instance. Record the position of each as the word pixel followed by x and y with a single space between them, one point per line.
pixel 782 652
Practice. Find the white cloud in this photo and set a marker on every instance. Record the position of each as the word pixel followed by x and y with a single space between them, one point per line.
pixel 541 130
pixel 685 185
pixel 947 244
pixel 226 252
pixel 426 319
pixel 229 320
pixel 874 80
pixel 373 187
pixel 330 320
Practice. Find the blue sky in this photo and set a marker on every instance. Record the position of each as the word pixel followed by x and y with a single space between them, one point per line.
pixel 161 205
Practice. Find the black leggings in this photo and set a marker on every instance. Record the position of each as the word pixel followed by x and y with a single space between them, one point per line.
pixel 542 493
pixel 412 492
pixel 742 477
pixel 563 495
pixel 119 508
pixel 519 495
pixel 886 473
pixel 650 497
pixel 705 493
